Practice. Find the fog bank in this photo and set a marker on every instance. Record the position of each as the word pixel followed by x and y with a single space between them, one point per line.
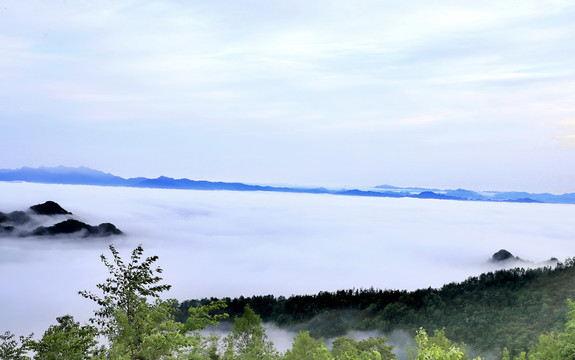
pixel 219 243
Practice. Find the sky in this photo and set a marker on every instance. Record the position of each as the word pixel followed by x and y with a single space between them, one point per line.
pixel 226 243
pixel 442 94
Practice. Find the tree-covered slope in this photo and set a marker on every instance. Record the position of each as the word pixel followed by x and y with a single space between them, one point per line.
pixel 513 309
pixel 506 308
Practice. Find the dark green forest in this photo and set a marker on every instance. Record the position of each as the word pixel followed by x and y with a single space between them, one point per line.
pixel 518 314
pixel 505 308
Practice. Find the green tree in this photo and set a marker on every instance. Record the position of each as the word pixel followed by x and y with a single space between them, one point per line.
pixel 370 349
pixel 506 356
pixel 151 334
pixel 436 347
pixel 379 345
pixel 306 347
pixel 248 339
pixel 67 340
pixel 200 317
pixel 560 346
pixel 12 348
pixel 138 324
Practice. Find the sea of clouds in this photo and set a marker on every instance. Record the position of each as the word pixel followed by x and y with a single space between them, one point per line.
pixel 222 243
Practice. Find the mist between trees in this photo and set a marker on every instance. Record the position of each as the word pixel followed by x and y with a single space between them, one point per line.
pixel 496 313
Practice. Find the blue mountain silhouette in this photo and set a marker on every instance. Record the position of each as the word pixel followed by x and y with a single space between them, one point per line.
pixel 87 176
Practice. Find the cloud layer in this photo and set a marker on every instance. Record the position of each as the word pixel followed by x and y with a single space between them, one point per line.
pixel 218 243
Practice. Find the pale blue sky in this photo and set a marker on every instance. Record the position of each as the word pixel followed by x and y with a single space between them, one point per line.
pixel 445 94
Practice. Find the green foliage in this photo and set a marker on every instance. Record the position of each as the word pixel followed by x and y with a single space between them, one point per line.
pixel 248 339
pixel 436 347
pixel 199 318
pixel 126 290
pixel 137 323
pixel 148 333
pixel 306 347
pixel 12 348
pixel 506 308
pixel 507 356
pixel 203 316
pixel 67 340
pixel 560 346
pixel 349 349
pixel 136 328
pixel 377 344
pixel 344 349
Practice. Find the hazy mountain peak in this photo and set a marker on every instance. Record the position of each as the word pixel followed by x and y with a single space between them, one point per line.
pixel 69 169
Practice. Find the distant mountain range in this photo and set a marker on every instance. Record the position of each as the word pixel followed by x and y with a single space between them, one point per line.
pixel 87 176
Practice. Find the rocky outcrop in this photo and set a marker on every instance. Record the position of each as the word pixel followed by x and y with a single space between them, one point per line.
pixel 107 229
pixel 50 219
pixel 49 208
pixel 506 258
pixel 504 255
pixel 6 229
pixel 18 217
pixel 72 226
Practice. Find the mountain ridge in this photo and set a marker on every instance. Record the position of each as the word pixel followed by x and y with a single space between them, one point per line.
pixel 87 176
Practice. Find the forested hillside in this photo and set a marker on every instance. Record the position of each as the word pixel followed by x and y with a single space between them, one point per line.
pixel 506 308
pixel 513 314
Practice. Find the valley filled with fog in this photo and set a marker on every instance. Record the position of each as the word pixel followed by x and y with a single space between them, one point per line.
pixel 223 243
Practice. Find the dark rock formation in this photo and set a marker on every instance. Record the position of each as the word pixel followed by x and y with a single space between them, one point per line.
pixel 15 218
pixel 18 217
pixel 49 208
pixel 65 227
pixel 505 258
pixel 6 229
pixel 502 255
pixel 107 229
pixel 72 226
pixel 19 223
